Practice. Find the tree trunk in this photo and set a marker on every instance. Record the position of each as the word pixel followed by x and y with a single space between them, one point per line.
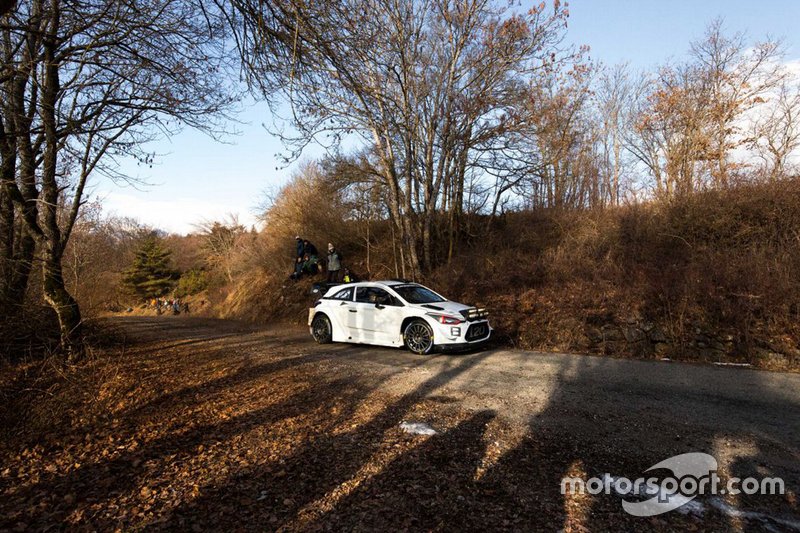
pixel 6 248
pixel 52 244
pixel 17 247
pixel 22 264
pixel 65 306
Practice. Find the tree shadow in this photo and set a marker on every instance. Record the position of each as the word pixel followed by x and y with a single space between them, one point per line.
pixel 334 457
pixel 309 473
pixel 589 428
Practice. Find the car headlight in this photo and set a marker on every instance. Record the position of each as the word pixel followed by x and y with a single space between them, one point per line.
pixel 446 319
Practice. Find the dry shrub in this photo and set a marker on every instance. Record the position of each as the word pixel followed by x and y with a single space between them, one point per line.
pixel 723 264
pixel 28 334
pixel 309 206
pixel 717 275
pixel 312 207
pixel 714 276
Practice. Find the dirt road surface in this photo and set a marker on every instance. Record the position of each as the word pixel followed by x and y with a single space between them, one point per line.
pixel 222 426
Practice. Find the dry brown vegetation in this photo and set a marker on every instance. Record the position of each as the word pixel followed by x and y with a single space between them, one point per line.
pixel 711 277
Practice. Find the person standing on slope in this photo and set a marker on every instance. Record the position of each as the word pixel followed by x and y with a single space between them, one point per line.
pixel 298 258
pixel 334 264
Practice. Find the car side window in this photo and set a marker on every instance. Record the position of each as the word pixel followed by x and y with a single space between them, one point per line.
pixel 344 294
pixel 375 295
pixel 364 294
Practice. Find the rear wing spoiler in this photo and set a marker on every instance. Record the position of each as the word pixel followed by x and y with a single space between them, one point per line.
pixel 475 313
pixel 322 287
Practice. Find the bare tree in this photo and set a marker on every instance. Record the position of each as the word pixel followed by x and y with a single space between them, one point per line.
pixel 222 241
pixel 613 96
pixel 775 131
pixel 689 119
pixel 562 136
pixel 736 78
pixel 428 85
pixel 86 83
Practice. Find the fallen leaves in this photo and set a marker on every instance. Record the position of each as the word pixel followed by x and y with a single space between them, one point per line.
pixel 280 438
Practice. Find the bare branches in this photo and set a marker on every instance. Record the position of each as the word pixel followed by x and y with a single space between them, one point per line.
pixel 85 83
pixel 432 87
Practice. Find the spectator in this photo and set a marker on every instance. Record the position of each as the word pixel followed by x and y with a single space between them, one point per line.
pixel 306 265
pixel 334 264
pixel 349 277
pixel 298 268
pixel 309 249
pixel 310 264
pixel 298 258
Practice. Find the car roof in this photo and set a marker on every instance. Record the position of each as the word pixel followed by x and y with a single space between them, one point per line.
pixel 377 283
pixel 386 282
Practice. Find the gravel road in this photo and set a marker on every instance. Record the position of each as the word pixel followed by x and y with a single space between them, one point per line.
pixel 585 414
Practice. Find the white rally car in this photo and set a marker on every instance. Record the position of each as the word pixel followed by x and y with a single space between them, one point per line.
pixel 396 313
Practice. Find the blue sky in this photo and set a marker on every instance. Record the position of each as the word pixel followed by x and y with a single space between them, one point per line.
pixel 198 178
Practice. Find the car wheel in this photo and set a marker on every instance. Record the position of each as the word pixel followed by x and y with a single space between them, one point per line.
pixel 321 329
pixel 418 337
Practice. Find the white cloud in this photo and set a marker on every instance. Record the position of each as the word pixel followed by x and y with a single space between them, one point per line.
pixel 179 215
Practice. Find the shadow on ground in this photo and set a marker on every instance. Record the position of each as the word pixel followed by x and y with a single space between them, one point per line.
pixel 262 431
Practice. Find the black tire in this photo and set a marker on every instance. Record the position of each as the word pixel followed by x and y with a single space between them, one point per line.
pixel 321 329
pixel 418 337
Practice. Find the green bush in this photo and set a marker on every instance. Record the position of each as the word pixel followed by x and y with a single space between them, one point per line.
pixel 191 282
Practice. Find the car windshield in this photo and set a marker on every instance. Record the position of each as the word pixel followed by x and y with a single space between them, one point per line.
pixel 417 294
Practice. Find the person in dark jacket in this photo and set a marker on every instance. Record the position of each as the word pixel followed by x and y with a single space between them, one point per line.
pixel 334 264
pixel 309 249
pixel 297 269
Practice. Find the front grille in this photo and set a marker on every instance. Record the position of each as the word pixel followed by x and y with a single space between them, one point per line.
pixel 477 331
pixel 473 313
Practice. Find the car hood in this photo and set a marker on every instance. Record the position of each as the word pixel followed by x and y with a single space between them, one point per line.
pixel 446 307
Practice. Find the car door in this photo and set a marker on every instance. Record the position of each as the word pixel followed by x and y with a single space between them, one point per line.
pixel 360 319
pixel 379 315
pixel 339 308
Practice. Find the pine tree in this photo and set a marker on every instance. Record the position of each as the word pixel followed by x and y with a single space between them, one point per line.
pixel 152 274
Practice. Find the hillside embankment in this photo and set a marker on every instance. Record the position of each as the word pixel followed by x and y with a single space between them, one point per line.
pixel 714 277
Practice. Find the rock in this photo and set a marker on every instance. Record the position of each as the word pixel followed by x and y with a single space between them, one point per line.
pixel 702 339
pixel 657 336
pixel 772 358
pixel 634 335
pixel 612 333
pixel 594 335
pixel 717 346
